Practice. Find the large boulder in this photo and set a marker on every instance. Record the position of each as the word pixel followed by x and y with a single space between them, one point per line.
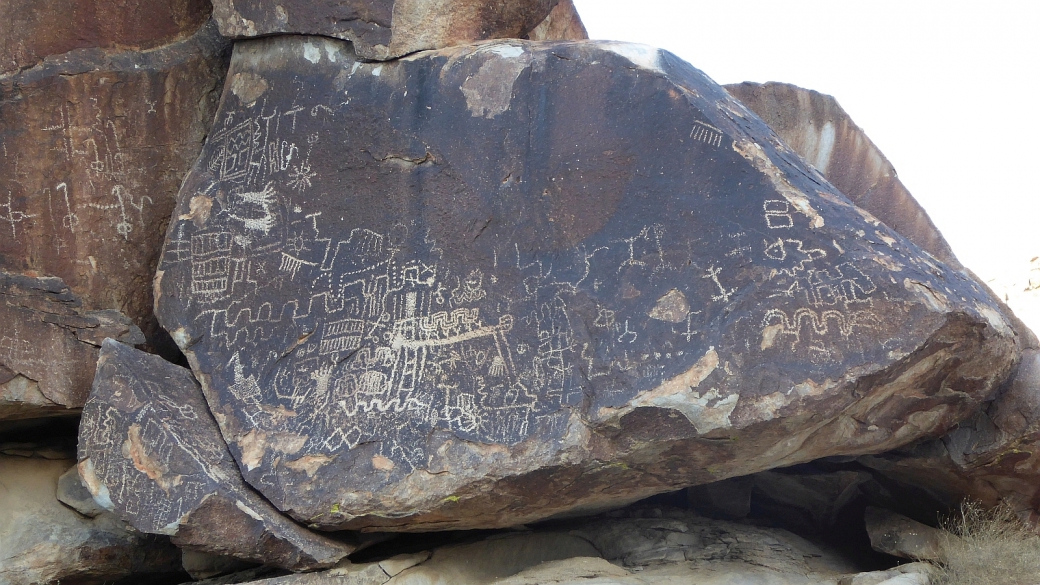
pixel 485 285
pixel 93 146
pixel 42 541
pixel 49 346
pixel 381 29
pixel 150 451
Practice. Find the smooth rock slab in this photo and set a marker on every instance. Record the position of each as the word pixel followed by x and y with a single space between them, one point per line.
pixel 481 286
pixel 386 29
pixel 150 452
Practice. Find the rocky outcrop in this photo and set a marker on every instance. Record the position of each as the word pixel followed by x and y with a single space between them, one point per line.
pixel 816 127
pixel 485 305
pixel 994 455
pixel 151 453
pixel 385 30
pixel 42 541
pixel 48 346
pixel 93 146
pixel 32 30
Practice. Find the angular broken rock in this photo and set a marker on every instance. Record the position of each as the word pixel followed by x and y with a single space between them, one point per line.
pixel 481 286
pixel 93 146
pixel 562 24
pixel 49 346
pixel 993 456
pixel 150 452
pixel 382 29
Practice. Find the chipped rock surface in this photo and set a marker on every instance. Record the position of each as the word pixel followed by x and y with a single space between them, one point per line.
pixel 42 541
pixel 485 285
pixel 150 452
pixel 49 346
pixel 382 29
pixel 93 146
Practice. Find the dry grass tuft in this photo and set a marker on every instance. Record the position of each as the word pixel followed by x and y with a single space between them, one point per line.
pixel 989 547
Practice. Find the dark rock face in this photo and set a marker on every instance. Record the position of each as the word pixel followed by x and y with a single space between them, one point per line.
pixel 815 126
pixel 49 346
pixel 31 30
pixel 481 286
pixel 150 452
pixel 93 147
pixel 382 29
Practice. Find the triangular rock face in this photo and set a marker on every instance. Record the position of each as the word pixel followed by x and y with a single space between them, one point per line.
pixel 481 286
pixel 150 452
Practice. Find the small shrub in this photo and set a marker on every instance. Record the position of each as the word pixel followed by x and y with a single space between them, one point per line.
pixel 988 547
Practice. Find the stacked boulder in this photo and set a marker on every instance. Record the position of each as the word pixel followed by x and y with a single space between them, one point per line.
pixel 448 265
pixel 104 106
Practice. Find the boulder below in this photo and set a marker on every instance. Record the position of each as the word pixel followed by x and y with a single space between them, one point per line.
pixel 650 546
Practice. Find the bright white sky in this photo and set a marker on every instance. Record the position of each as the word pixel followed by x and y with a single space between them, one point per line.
pixel 948 90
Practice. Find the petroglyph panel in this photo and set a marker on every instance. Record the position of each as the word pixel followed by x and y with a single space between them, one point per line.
pixel 93 147
pixel 150 451
pixel 397 308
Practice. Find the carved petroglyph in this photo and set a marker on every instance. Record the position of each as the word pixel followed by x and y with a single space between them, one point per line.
pixel 813 328
pixel 706 133
pixel 13 217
